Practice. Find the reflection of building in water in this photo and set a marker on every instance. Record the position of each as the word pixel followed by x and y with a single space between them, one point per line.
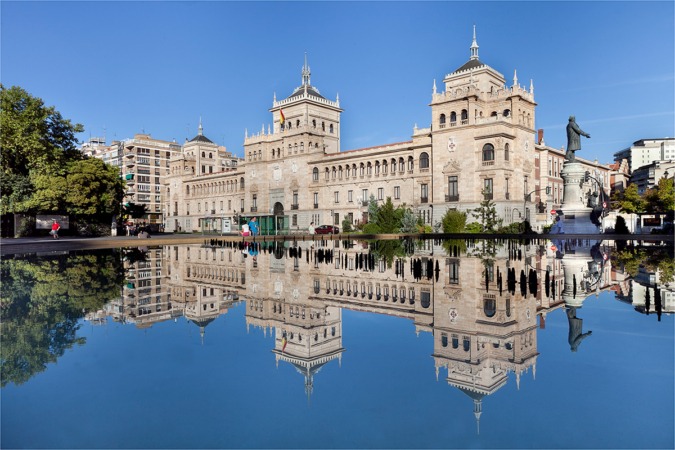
pixel 144 302
pixel 649 295
pixel 482 311
pixel 483 332
pixel 203 282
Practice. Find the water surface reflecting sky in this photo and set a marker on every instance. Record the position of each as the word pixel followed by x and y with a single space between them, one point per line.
pixel 327 345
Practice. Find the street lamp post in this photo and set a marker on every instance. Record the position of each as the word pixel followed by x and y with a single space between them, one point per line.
pixel 527 197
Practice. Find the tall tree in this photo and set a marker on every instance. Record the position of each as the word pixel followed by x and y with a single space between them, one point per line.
pixel 35 140
pixel 486 214
pixel 661 198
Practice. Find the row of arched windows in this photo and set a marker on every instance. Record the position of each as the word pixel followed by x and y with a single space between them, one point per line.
pixel 214 188
pixel 383 167
pixel 289 125
pixel 379 292
pixel 464 117
pixel 213 273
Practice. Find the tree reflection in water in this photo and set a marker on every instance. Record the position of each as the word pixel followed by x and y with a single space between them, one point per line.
pixel 43 299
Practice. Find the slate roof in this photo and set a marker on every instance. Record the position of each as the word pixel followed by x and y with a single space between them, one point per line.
pixel 201 138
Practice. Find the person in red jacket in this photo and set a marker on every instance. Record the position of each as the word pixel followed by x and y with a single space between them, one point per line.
pixel 55 229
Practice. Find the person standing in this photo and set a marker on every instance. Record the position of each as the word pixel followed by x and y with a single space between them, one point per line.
pixel 311 228
pixel 55 229
pixel 253 226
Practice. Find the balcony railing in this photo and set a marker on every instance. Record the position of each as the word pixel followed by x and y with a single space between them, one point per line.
pixel 364 203
pixel 487 196
pixel 424 199
pixel 254 209
pixel 295 206
pixel 452 198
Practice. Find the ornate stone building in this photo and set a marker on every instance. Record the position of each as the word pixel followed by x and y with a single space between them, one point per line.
pixel 480 145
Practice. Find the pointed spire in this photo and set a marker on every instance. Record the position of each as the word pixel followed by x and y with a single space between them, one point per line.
pixel 531 87
pixel 515 78
pixel 246 137
pixel 433 91
pixel 477 411
pixel 337 99
pixel 275 97
pixel 200 130
pixel 518 380
pixel 305 73
pixel 474 45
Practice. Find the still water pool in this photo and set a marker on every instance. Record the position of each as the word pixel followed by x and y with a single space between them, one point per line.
pixel 339 345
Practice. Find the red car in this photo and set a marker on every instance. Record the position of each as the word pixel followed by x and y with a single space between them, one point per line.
pixel 327 229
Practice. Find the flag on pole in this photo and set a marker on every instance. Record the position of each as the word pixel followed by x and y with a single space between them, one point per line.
pixel 282 118
pixel 283 344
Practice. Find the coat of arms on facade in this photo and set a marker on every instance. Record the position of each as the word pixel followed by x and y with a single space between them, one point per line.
pixel 451 144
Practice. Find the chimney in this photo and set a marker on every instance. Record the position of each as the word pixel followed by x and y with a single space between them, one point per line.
pixel 540 136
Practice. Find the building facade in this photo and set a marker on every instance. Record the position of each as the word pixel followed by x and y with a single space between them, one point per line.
pixel 480 145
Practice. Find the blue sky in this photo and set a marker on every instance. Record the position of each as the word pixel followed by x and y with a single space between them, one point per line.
pixel 122 68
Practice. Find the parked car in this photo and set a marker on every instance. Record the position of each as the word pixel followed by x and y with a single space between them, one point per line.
pixel 327 229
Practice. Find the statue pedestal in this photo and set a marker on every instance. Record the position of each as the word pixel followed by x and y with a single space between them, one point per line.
pixel 577 216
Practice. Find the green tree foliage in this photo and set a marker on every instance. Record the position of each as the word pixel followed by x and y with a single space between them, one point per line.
pixel 487 216
pixel 42 170
pixel 42 300
pixel 454 221
pixel 372 208
pixel 388 218
pixel 347 225
pixel 94 188
pixel 34 136
pixel 409 222
pixel 629 201
pixel 661 198
pixel 655 260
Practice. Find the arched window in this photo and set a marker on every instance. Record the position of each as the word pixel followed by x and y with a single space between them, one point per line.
pixel 370 169
pixel 441 120
pixel 327 174
pixel 187 190
pixel 453 118
pixel 506 113
pixel 424 160
pixel 506 152
pixel 331 128
pixel 348 170
pixel 393 165
pixel 494 114
pixel 302 147
pixel 455 341
pixel 340 172
pixel 411 163
pixel 203 154
pixel 297 123
pixel 241 182
pixel 489 307
pixel 401 164
pixel 314 123
pixel 362 168
pixel 353 170
pixel 323 126
pixel 467 344
pixel 488 152
pixel 334 172
pixel 444 339
pixel 384 167
pixel 377 167
pixel 465 117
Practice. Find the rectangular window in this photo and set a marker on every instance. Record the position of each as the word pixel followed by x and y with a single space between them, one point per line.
pixel 337 196
pixel 350 196
pixel 397 192
pixel 453 270
pixel 380 193
pixel 242 205
pixel 487 188
pixel 424 193
pixel 254 201
pixel 453 189
pixel 316 200
pixel 294 220
pixel 364 195
pixel 295 197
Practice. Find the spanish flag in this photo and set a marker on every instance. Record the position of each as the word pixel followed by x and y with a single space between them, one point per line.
pixel 282 117
pixel 283 343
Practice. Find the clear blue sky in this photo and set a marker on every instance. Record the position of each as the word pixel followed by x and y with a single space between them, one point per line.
pixel 126 67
